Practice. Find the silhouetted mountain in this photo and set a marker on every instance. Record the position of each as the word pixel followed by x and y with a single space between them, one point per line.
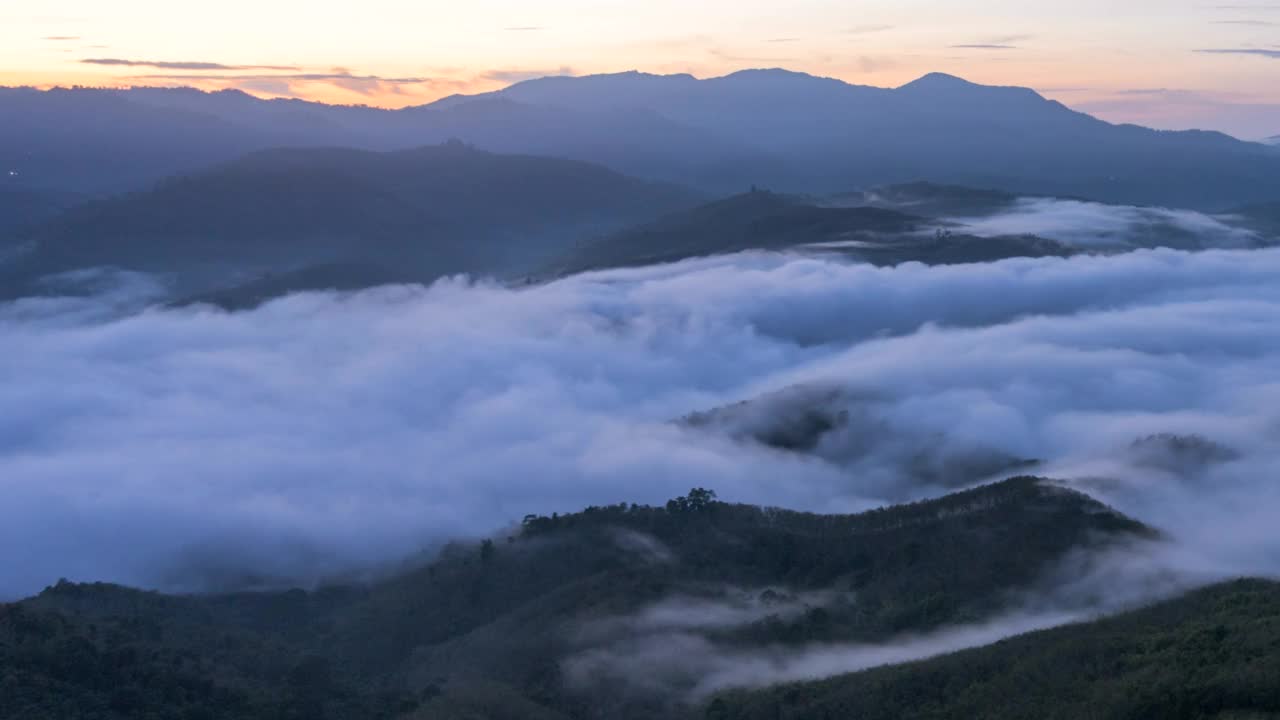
pixel 1273 140
pixel 421 213
pixel 493 629
pixel 1207 655
pixel 769 127
pixel 941 128
pixel 102 141
pixel 761 220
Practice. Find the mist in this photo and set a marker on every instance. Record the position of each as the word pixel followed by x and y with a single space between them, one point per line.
pixel 1098 227
pixel 323 434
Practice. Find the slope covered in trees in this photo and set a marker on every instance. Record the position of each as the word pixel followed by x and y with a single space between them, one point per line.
pixel 487 629
pixel 422 213
pixel 869 227
pixel 1212 654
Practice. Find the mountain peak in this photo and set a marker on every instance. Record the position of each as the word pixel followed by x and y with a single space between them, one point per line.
pixel 937 80
pixel 776 72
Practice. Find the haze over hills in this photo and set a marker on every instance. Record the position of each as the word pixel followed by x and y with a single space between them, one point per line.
pixel 762 220
pixel 304 403
pixel 1196 656
pixel 416 214
pixel 289 220
pixel 787 131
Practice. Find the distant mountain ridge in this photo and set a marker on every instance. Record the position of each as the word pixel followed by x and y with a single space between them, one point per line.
pixel 775 128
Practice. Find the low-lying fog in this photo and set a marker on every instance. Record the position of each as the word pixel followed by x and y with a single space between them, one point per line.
pixel 323 433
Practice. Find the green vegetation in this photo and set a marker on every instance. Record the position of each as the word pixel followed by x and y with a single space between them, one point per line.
pixel 1212 654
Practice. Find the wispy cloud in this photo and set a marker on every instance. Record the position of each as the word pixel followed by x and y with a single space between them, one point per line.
pixel 524 28
pixel 517 75
pixel 282 84
pixel 997 42
pixel 868 29
pixel 193 65
pixel 62 38
pixel 1260 52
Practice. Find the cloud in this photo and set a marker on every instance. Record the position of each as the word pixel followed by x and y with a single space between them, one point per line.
pixel 514 76
pixel 182 65
pixel 666 662
pixel 997 42
pixel 1097 226
pixel 1273 54
pixel 325 433
pixel 62 38
pixel 1251 23
pixel 524 28
pixel 282 83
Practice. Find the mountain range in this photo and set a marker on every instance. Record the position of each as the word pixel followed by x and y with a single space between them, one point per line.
pixel 294 219
pixel 774 128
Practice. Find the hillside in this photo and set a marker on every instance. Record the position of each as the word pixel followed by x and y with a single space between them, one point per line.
pixel 1264 217
pixel 422 213
pixel 22 208
pixel 1211 654
pixel 773 128
pixel 761 220
pixel 496 629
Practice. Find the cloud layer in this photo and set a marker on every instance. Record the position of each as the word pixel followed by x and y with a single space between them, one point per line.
pixel 1095 226
pixel 325 433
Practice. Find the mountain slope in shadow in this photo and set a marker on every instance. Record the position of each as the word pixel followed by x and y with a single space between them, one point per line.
pixel 416 213
pixel 486 628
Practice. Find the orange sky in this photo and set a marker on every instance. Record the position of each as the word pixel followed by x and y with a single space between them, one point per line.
pixel 1142 61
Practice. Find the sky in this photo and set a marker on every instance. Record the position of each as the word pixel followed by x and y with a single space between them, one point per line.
pixel 1172 64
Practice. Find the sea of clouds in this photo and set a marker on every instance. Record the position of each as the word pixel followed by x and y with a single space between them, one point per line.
pixel 187 448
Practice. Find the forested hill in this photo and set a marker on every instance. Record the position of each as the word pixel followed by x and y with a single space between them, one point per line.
pixel 414 214
pixel 488 629
pixel 1212 654
pixel 868 227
